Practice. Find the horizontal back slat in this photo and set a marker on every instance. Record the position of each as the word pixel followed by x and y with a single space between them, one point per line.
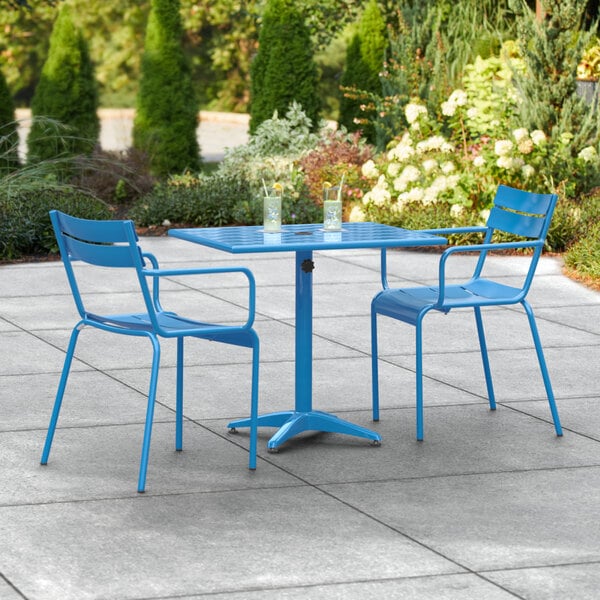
pixel 527 202
pixel 95 231
pixel 99 254
pixel 524 225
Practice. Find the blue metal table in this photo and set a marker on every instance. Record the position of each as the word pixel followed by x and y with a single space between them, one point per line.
pixel 303 240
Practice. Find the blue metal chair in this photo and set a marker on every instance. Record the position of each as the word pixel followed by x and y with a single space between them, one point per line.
pixel 514 211
pixel 115 244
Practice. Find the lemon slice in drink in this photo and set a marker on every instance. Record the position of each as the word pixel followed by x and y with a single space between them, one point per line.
pixel 278 187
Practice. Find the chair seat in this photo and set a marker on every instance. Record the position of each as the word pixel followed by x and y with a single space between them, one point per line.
pixel 405 304
pixel 173 324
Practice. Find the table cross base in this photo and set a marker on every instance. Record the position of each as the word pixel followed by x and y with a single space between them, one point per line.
pixel 291 422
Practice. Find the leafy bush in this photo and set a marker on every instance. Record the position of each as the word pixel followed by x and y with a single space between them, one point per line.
pixel 296 205
pixel 273 152
pixel 203 201
pixel 118 178
pixel 337 154
pixel 460 167
pixel 584 255
pixel 25 226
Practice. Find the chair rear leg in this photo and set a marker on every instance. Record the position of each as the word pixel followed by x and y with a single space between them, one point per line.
pixel 484 358
pixel 60 393
pixel 179 397
pixel 374 366
pixel 543 367
pixel 149 414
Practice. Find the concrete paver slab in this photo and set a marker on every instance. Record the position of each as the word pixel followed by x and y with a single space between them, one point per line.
pixel 103 462
pixel 441 587
pixel 191 543
pixel 552 583
pixel 492 521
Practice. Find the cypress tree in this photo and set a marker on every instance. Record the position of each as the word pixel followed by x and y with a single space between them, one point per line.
pixel 355 72
pixel 364 62
pixel 9 138
pixel 167 109
pixel 67 93
pixel 284 69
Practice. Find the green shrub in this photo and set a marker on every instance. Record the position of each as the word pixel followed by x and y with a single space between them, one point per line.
pixel 296 205
pixel 167 109
pixel 584 255
pixel 337 154
pixel 552 49
pixel 203 201
pixel 273 152
pixel 66 97
pixel 565 225
pixel 25 227
pixel 284 69
pixel 118 178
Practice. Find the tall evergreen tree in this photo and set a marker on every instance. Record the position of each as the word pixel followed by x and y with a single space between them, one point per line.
pixel 364 62
pixel 284 68
pixel 9 138
pixel 552 48
pixel 67 94
pixel 167 109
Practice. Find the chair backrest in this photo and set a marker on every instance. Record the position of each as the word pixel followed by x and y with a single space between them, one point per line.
pixel 99 243
pixel 523 214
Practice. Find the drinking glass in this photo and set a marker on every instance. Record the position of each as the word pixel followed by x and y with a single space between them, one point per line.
pixel 272 213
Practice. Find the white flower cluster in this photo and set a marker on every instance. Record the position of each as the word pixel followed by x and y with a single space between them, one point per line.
pixel 403 150
pixel 525 143
pixel 433 143
pixel 588 154
pixel 413 112
pixel 457 98
pixel 380 194
pixel 416 171
pixel 369 170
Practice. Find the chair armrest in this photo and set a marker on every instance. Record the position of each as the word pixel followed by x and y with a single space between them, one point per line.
pixel 156 273
pixel 439 231
pixel 479 248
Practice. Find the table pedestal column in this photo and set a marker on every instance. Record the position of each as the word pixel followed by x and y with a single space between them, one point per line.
pixel 303 417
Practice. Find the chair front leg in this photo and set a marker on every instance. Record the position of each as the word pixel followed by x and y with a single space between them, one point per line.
pixel 254 403
pixel 179 397
pixel 60 393
pixel 543 367
pixel 374 366
pixel 485 358
pixel 419 375
pixel 149 413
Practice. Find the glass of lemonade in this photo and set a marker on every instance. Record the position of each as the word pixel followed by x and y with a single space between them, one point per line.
pixel 332 208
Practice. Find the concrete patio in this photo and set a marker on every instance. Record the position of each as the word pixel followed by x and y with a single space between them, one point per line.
pixel 491 505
